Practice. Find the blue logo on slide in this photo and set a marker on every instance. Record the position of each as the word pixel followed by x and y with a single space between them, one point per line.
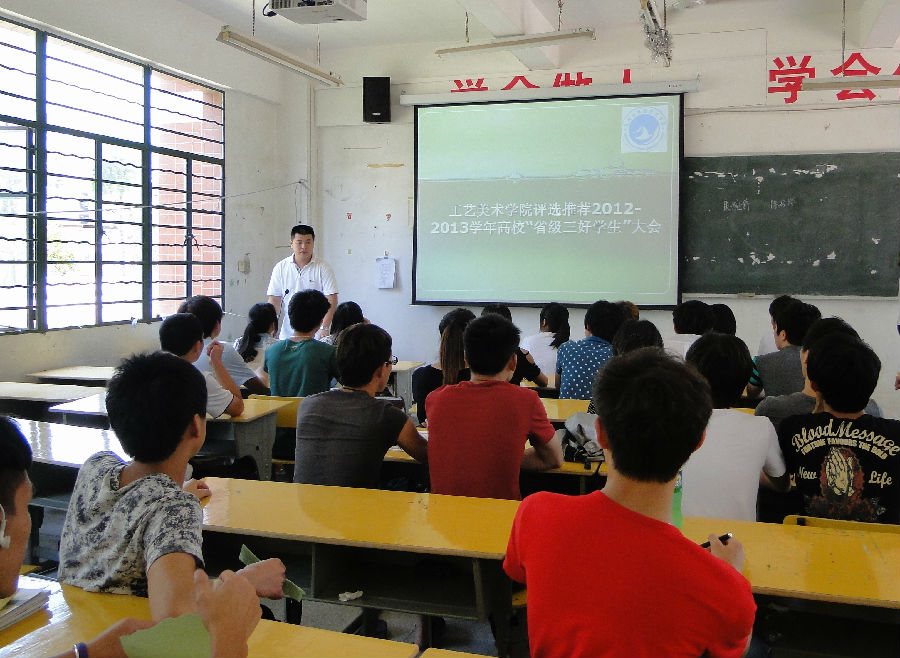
pixel 644 129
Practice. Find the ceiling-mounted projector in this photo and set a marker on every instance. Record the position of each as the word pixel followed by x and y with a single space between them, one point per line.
pixel 320 11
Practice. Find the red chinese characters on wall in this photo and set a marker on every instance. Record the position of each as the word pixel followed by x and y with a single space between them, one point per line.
pixel 790 76
pixel 789 73
pixel 577 79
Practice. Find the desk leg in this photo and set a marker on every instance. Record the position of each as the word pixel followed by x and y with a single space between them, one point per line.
pixel 499 601
pixel 256 438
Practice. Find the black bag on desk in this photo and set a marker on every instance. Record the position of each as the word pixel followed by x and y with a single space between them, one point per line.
pixel 579 439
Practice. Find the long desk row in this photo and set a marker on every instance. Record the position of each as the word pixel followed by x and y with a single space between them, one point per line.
pixel 73 615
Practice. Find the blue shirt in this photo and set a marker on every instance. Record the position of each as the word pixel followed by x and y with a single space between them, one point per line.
pixel 578 363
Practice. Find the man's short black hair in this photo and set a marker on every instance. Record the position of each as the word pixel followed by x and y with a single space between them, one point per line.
pixel 844 370
pixel 303 229
pixel 692 317
pixel 361 350
pixel 778 303
pixel 306 310
pixel 795 319
pixel 207 311
pixel 654 409
pixel 489 341
pixel 725 362
pixel 723 319
pixel 603 319
pixel 499 309
pixel 635 334
pixel 179 332
pixel 821 328
pixel 15 460
pixel 151 400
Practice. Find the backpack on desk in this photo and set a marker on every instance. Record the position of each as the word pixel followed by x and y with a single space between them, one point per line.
pixel 579 439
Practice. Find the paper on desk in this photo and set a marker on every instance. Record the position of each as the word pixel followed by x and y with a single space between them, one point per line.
pixel 175 637
pixel 23 603
pixel 387 270
pixel 289 588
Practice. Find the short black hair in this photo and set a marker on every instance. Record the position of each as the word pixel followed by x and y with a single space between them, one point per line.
pixel 654 409
pixel 635 334
pixel 489 342
pixel 632 312
pixel 345 315
pixel 779 302
pixel 151 400
pixel 306 310
pixel 603 319
pixel 723 319
pixel 725 362
pixel 795 319
pixel 206 309
pixel 844 370
pixel 15 460
pixel 692 317
pixel 179 332
pixel 499 309
pixel 303 229
pixel 361 350
pixel 821 328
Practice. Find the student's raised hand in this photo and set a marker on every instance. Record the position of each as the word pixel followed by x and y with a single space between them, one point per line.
pixel 229 608
pixel 732 552
pixel 214 351
pixel 267 576
pixel 108 644
pixel 198 488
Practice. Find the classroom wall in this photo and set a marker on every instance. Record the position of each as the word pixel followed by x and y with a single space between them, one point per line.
pixel 367 170
pixel 266 153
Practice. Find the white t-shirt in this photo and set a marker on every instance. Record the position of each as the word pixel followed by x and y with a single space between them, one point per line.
pixel 538 346
pixel 234 364
pixel 263 342
pixel 217 397
pixel 287 279
pixel 721 478
pixel 767 344
pixel 679 344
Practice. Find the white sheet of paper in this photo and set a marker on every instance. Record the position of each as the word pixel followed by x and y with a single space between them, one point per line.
pixel 387 270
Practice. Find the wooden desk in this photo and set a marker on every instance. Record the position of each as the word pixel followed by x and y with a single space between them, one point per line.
pixel 74 615
pixel 78 375
pixel 385 543
pixel 558 411
pixel 254 429
pixel 821 564
pixel 32 400
pixel 67 445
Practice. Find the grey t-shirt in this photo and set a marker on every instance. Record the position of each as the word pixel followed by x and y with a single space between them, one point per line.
pixel 113 534
pixel 779 373
pixel 779 407
pixel 342 437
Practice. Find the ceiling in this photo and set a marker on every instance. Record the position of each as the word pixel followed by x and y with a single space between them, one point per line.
pixel 870 23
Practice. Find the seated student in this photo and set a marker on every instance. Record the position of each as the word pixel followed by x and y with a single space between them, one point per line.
pixel 721 478
pixel 210 315
pixel 343 435
pixel 767 342
pixel 690 320
pixel 258 335
pixel 654 592
pixel 301 365
pixel 450 367
pixel 182 335
pixel 577 362
pixel 780 373
pixel 845 463
pixel 131 527
pixel 778 407
pixel 345 315
pixel 229 608
pixel 724 321
pixel 526 368
pixel 554 331
pixel 478 429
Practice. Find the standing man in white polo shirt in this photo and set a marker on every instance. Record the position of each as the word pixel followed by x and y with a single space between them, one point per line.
pixel 302 271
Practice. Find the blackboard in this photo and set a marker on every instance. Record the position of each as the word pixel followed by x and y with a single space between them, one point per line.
pixel 826 224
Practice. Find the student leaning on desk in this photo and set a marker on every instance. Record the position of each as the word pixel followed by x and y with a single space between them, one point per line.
pixel 131 528
pixel 228 607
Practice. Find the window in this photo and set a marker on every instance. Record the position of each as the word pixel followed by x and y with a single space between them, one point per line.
pixel 111 186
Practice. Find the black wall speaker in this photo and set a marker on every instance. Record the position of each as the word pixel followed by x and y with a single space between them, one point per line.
pixel 376 100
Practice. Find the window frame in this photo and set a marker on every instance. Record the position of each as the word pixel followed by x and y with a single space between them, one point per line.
pixel 36 195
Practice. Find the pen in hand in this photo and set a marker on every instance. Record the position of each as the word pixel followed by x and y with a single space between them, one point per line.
pixel 722 538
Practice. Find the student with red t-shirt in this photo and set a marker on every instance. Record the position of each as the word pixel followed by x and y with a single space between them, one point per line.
pixel 639 588
pixel 477 430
